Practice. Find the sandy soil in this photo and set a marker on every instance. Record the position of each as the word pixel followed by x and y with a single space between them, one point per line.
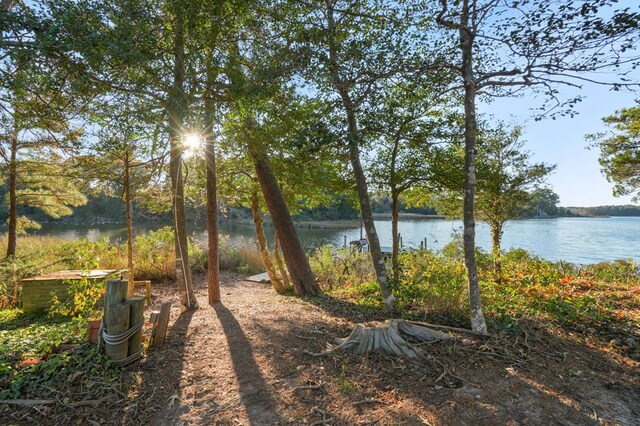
pixel 243 363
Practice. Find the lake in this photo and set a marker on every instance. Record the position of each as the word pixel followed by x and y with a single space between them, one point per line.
pixel 577 240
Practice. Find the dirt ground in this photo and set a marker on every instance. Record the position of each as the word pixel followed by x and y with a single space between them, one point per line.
pixel 243 362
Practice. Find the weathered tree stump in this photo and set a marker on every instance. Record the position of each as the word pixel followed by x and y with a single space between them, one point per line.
pixel 387 337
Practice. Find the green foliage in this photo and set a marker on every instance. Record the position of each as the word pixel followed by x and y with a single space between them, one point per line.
pixel 454 250
pixel 573 295
pixel 431 283
pixel 154 255
pixel 85 300
pixel 433 286
pixel 505 177
pixel 82 254
pixel 55 370
pixel 618 271
pixel 341 267
pixel 620 152
pixel 24 336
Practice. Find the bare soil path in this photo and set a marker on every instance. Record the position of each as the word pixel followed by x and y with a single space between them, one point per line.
pixel 243 363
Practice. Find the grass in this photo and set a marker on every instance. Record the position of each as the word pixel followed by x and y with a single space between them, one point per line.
pixel 154 258
pixel 240 254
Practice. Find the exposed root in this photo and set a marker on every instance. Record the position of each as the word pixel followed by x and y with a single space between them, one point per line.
pixel 387 338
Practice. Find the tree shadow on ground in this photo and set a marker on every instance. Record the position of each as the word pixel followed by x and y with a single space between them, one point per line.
pixel 351 311
pixel 256 398
pixel 348 310
pixel 157 401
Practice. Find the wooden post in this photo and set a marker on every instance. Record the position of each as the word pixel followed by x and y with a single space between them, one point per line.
pixel 147 289
pixel 117 322
pixel 115 292
pixel 135 316
pixel 159 332
pixel 116 316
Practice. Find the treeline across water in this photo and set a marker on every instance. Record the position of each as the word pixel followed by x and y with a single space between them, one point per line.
pixel 106 209
pixel 626 210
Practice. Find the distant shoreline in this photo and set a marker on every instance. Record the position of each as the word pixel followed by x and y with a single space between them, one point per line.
pixel 305 224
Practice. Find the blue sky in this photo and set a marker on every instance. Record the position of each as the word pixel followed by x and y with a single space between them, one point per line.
pixel 578 179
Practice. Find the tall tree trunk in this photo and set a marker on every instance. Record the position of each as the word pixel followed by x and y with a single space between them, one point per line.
pixel 354 157
pixel 213 270
pixel 470 132
pixel 279 265
pixel 176 107
pixel 395 249
pixel 496 252
pixel 262 242
pixel 12 232
pixel 127 201
pixel 365 210
pixel 297 263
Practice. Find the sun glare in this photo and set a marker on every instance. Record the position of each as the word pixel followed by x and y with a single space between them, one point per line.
pixel 192 142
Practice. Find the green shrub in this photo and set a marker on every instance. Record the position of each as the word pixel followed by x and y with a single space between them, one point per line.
pixel 85 300
pixel 341 267
pixel 431 284
pixel 618 271
pixel 455 250
pixel 435 285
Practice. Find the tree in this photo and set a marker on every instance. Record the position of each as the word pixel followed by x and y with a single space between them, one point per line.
pixel 539 44
pixel 125 154
pixel 176 110
pixel 137 47
pixel 407 122
pixel 505 179
pixel 239 187
pixel 543 203
pixel 213 259
pixel 37 100
pixel 350 50
pixel 620 151
pixel 250 60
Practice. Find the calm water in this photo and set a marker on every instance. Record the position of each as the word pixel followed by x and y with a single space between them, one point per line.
pixel 578 240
